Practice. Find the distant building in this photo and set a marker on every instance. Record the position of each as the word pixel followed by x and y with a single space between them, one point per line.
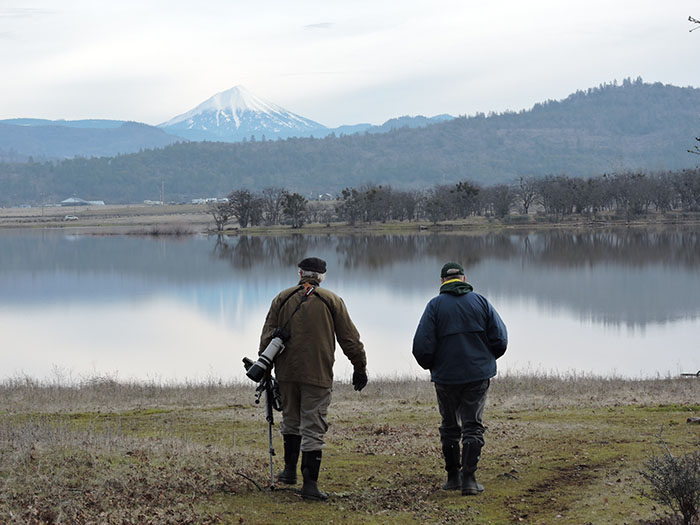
pixel 209 200
pixel 74 201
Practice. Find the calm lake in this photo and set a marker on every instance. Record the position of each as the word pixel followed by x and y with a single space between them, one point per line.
pixel 616 302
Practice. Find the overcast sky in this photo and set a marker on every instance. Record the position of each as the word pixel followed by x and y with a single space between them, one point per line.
pixel 336 62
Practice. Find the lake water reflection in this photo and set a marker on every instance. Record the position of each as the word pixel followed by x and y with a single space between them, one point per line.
pixel 623 302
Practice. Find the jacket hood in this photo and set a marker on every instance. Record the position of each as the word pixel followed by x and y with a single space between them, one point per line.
pixel 456 287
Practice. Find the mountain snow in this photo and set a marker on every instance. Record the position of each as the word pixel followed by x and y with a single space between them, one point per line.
pixel 236 114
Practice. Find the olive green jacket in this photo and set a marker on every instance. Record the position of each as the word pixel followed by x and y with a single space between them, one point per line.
pixel 309 353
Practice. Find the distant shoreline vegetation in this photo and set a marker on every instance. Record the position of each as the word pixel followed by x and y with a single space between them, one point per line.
pixel 552 199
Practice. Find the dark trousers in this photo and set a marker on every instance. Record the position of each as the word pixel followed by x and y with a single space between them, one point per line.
pixel 462 408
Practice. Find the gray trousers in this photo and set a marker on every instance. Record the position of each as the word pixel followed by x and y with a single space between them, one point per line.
pixel 462 409
pixel 305 413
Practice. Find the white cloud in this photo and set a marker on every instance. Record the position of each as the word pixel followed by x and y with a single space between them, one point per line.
pixel 320 25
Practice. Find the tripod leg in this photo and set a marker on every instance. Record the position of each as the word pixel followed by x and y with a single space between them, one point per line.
pixel 270 421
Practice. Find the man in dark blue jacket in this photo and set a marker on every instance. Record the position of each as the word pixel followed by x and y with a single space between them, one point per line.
pixel 458 339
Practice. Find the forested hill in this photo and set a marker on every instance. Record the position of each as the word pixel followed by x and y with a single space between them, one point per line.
pixel 632 126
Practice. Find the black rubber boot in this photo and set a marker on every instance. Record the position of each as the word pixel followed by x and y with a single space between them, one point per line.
pixel 310 466
pixel 292 443
pixel 452 466
pixel 471 452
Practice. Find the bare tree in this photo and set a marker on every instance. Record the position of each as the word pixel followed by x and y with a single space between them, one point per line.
pixel 272 198
pixel 633 193
pixel 404 204
pixel 696 148
pixel 662 193
pixel 694 21
pixel 243 204
pixel 222 213
pixel 526 192
pixel 319 211
pixel 687 186
pixel 442 202
pixel 501 198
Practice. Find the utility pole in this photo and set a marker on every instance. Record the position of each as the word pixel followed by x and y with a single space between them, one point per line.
pixel 162 192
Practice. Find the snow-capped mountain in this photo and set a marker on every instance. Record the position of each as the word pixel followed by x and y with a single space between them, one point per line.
pixel 236 114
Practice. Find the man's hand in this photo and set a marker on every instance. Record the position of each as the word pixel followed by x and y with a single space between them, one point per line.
pixel 359 379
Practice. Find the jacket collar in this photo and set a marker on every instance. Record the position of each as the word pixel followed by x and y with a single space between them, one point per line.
pixel 309 280
pixel 456 287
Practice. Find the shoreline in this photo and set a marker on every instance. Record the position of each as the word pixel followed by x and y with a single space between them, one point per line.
pixel 148 220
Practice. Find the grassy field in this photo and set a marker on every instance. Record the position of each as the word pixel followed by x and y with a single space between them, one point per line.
pixel 558 450
pixel 119 219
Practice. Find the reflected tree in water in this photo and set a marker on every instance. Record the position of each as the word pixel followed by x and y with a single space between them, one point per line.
pixel 271 253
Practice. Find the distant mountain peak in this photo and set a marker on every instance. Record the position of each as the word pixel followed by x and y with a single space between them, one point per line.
pixel 237 113
pixel 233 102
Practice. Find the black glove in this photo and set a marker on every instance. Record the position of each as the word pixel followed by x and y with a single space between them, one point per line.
pixel 359 379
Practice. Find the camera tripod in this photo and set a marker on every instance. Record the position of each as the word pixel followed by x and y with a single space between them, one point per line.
pixel 273 401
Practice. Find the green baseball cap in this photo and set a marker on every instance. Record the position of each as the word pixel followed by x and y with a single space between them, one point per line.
pixel 451 269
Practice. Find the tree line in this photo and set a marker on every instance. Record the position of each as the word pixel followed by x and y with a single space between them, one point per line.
pixel 271 206
pixel 583 135
pixel 630 195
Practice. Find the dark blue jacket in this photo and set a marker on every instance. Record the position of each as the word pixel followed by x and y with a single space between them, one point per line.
pixel 459 338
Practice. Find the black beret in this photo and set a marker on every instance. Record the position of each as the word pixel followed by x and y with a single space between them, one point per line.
pixel 313 264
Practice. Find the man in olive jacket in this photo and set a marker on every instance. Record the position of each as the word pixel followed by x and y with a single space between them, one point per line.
pixel 311 318
pixel 459 338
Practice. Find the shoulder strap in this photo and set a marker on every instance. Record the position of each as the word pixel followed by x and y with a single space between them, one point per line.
pixel 325 301
pixel 290 296
pixel 309 292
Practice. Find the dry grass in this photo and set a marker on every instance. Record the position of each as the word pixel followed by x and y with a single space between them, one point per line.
pixel 559 448
pixel 24 394
pixel 104 394
pixel 571 390
pixel 111 219
pixel 54 473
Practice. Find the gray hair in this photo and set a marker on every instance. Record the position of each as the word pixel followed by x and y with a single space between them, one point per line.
pixel 313 275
